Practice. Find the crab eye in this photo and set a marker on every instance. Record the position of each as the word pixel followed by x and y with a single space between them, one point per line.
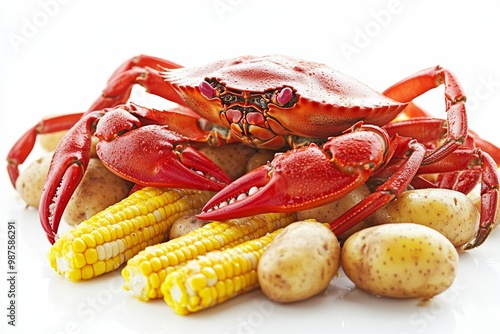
pixel 284 96
pixel 207 90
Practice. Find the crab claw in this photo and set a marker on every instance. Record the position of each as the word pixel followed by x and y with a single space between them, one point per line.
pixel 155 156
pixel 296 180
pixel 23 147
pixel 69 162
pixel 150 155
pixel 304 177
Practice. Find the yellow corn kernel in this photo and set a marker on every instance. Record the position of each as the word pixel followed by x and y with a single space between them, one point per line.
pixel 79 245
pixel 146 268
pixel 75 274
pixel 90 255
pixel 87 272
pixel 105 241
pixel 99 268
pixel 89 241
pixel 196 286
pixel 216 235
pixel 78 260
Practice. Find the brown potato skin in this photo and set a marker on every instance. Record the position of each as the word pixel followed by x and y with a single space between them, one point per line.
pixel 49 141
pixel 400 261
pixel 331 211
pixel 450 212
pixel 261 157
pixel 184 225
pixel 299 263
pixel 31 179
pixel 232 158
pixel 98 189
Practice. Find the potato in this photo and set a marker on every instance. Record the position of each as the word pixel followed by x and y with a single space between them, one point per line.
pixel 299 263
pixel 450 212
pixel 232 158
pixel 49 141
pixel 30 182
pixel 331 211
pixel 400 260
pixel 98 189
pixel 185 224
pixel 261 157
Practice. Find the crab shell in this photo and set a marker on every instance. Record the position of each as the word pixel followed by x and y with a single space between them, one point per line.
pixel 328 102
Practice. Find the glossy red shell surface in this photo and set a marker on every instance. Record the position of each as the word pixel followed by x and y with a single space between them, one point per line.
pixel 328 101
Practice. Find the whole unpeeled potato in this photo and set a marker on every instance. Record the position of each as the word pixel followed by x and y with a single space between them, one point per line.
pixel 450 212
pixel 299 263
pixel 49 141
pixel 30 182
pixel 400 260
pixel 98 189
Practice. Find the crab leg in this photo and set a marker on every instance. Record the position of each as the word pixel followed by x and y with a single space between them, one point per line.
pixel 423 81
pixel 179 119
pixel 477 165
pixel 424 129
pixel 143 70
pixel 385 193
pixel 428 129
pixel 23 147
pixel 486 146
pixel 489 199
pixel 460 171
pixel 457 173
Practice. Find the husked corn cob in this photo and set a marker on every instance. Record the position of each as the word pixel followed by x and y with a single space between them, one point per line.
pixel 105 241
pixel 215 277
pixel 146 271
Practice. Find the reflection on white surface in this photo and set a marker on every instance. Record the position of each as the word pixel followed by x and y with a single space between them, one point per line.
pixel 66 50
pixel 48 303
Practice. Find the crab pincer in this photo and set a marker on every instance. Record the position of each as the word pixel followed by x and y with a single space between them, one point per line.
pixel 304 177
pixel 149 155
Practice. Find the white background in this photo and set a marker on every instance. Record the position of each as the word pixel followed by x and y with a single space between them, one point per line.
pixel 57 55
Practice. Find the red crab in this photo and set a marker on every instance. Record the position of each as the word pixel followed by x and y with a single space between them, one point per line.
pixel 338 133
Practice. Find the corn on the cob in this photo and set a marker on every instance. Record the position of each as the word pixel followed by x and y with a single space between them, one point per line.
pixel 146 271
pixel 111 237
pixel 215 277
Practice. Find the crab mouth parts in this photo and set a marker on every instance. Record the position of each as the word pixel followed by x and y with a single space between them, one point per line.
pixel 246 113
pixel 246 101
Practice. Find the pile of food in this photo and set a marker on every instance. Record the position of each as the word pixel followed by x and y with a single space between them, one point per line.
pixel 407 249
pixel 148 191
